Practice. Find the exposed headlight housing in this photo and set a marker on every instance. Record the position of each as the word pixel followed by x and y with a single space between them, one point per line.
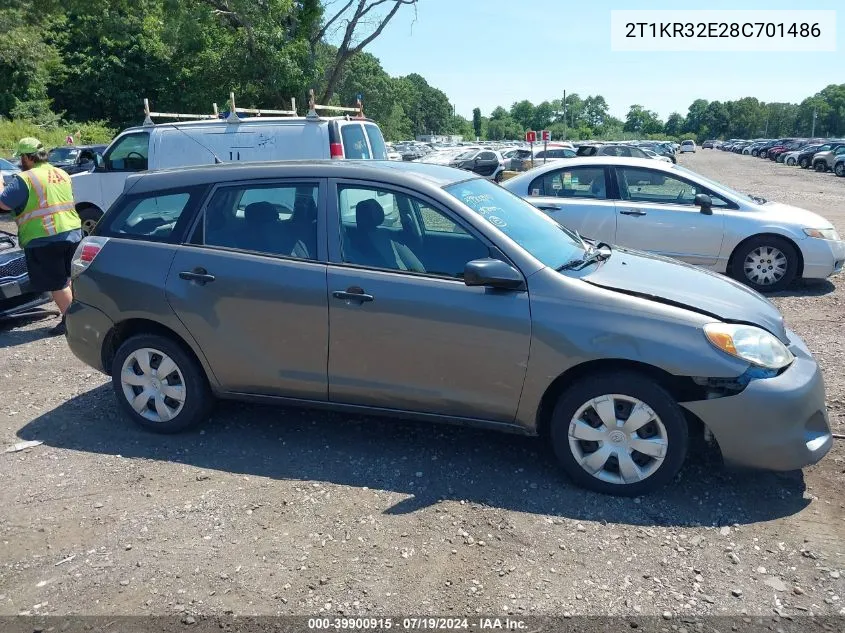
pixel 749 343
pixel 823 234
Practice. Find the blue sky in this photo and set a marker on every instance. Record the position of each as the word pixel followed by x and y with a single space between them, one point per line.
pixel 493 52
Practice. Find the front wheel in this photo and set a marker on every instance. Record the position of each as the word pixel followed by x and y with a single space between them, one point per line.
pixel 619 433
pixel 159 385
pixel 790 161
pixel 820 166
pixel 839 169
pixel 804 163
pixel 767 263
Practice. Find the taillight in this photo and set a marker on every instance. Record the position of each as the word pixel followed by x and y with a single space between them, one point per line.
pixel 85 253
pixel 336 150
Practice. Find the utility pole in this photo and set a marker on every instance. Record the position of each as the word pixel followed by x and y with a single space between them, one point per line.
pixel 813 133
pixel 564 115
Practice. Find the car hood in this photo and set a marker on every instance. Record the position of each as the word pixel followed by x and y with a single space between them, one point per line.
pixel 676 283
pixel 787 214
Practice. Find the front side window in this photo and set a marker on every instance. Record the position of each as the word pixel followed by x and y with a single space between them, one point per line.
pixel 150 216
pixel 354 141
pixel 416 243
pixel 539 235
pixel 278 220
pixel 652 186
pixel 130 153
pixel 577 182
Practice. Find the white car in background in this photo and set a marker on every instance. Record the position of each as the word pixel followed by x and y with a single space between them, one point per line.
pixel 668 210
pixel 687 146
pixel 655 156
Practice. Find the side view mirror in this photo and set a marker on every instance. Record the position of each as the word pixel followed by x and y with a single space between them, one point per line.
pixel 705 202
pixel 99 163
pixel 493 273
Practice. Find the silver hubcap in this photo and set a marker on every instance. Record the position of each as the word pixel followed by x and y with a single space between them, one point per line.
pixel 618 439
pixel 765 265
pixel 153 384
pixel 88 226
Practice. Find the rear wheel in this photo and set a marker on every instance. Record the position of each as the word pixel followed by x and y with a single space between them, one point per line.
pixel 767 263
pixel 619 433
pixel 790 161
pixel 159 385
pixel 820 166
pixel 804 163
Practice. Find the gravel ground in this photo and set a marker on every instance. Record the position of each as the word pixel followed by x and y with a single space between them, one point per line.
pixel 276 511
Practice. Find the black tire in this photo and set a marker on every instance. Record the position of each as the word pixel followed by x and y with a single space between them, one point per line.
pixel 89 216
pixel 633 385
pixel 198 399
pixel 839 169
pixel 804 163
pixel 790 161
pixel 820 166
pixel 737 270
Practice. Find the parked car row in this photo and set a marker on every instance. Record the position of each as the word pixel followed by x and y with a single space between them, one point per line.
pixel 819 154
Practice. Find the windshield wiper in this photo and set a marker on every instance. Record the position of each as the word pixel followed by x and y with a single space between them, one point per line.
pixel 757 199
pixel 595 255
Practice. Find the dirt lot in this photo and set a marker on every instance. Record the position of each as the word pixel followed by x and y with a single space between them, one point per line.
pixel 276 511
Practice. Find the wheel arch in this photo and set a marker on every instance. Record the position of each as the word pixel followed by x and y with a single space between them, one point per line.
pixel 800 270
pixel 131 327
pixel 681 388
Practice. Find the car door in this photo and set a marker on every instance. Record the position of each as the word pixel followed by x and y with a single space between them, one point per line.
pixel 250 286
pixel 129 154
pixel 577 198
pixel 406 332
pixel 657 213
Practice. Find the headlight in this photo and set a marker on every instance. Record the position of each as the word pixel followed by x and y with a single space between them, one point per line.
pixel 749 343
pixel 823 234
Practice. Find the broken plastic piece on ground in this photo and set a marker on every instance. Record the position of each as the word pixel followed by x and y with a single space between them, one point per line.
pixel 22 446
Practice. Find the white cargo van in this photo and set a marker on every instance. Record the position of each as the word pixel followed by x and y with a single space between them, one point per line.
pixel 235 138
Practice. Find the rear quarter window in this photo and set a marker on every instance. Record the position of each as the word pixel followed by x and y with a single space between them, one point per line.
pixel 376 141
pixel 159 216
pixel 354 141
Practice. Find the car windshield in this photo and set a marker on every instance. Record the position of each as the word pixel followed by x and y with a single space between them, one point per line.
pixel 717 185
pixel 62 153
pixel 4 164
pixel 543 238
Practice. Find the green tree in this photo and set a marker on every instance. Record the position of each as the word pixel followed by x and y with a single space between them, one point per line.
pixel 523 113
pixel 674 125
pixel 642 121
pixel 476 121
pixel 595 111
pixel 717 120
pixel 695 116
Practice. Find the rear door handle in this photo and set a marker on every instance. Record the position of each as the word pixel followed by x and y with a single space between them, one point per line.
pixel 198 275
pixel 353 293
pixel 635 212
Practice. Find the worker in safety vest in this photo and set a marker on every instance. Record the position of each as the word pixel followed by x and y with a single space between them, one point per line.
pixel 40 198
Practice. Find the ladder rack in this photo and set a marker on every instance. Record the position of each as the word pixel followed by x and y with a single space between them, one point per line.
pixel 313 106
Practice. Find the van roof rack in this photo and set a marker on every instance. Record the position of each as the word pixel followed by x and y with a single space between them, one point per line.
pixel 231 117
pixel 313 106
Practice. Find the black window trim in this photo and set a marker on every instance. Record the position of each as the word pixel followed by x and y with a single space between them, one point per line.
pixel 730 203
pixel 199 217
pixel 334 221
pixel 612 192
pixel 117 142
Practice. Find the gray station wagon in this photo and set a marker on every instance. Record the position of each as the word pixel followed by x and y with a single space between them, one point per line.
pixel 427 292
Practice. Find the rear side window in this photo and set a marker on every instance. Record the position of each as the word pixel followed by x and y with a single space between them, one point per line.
pixel 573 182
pixel 376 142
pixel 155 216
pixel 354 141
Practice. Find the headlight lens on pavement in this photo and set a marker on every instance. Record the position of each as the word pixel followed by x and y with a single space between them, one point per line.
pixel 749 343
pixel 823 234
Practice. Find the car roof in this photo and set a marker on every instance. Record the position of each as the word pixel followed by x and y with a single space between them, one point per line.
pixel 386 171
pixel 256 120
pixel 592 161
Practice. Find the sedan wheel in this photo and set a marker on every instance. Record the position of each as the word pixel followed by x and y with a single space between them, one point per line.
pixel 839 169
pixel 159 385
pixel 619 434
pixel 766 263
pixel 820 166
pixel 804 163
pixel 790 161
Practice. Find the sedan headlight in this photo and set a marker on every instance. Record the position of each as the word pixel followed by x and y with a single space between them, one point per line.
pixel 823 234
pixel 749 343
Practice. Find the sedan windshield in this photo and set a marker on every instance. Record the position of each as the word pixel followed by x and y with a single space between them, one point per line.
pixel 4 164
pixel 542 237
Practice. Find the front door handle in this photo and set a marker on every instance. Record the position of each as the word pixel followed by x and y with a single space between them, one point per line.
pixel 198 275
pixel 353 293
pixel 635 212
pixel 547 207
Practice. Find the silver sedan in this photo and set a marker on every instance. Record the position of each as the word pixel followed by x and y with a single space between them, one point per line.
pixel 667 209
